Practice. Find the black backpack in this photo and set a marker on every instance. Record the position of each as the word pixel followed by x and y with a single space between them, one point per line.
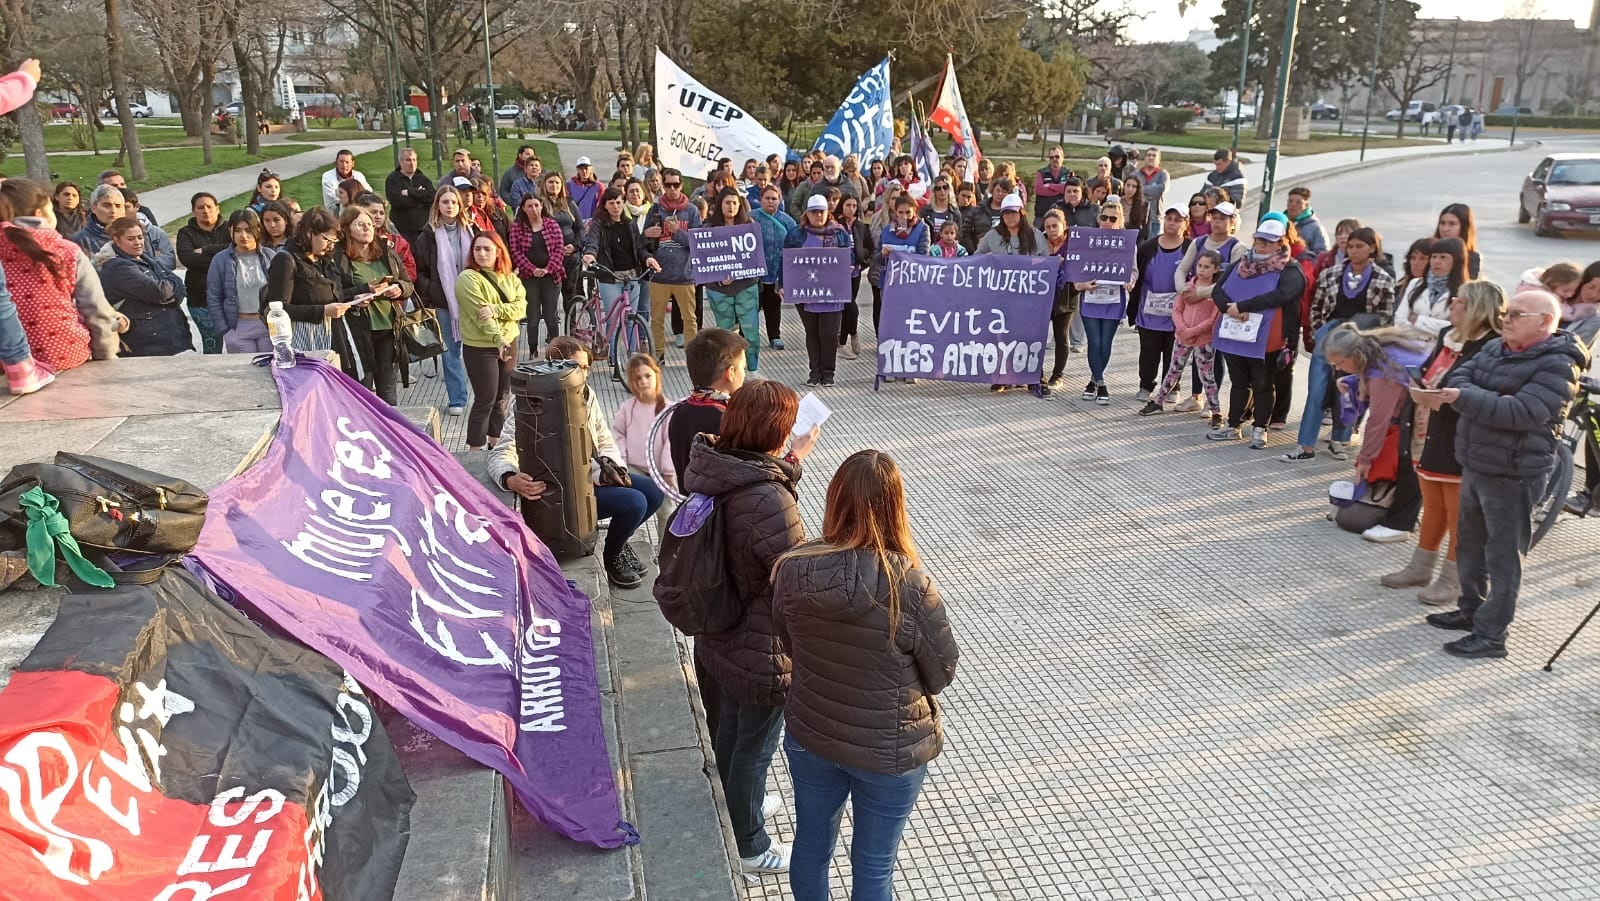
pixel 695 588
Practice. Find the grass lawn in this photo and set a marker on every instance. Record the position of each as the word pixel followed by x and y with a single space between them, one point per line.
pixel 326 135
pixel 1207 138
pixel 59 137
pixel 376 166
pixel 608 134
pixel 162 167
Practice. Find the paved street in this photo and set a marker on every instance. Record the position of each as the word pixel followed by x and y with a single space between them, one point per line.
pixel 1179 681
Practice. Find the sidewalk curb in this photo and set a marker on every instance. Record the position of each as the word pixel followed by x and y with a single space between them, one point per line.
pixel 1366 165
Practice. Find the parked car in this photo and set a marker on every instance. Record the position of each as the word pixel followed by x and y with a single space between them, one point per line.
pixel 1451 112
pixel 1321 110
pixel 509 111
pixel 64 110
pixel 235 108
pixel 1225 114
pixel 1562 193
pixel 139 110
pixel 1414 111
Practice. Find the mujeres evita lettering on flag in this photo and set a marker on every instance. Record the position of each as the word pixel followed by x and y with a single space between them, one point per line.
pixel 864 123
pixel 699 126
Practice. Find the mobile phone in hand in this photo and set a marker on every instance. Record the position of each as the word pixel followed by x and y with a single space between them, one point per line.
pixel 1416 377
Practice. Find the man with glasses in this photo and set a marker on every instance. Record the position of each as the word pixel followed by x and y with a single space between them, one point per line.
pixel 1512 397
pixel 666 229
pixel 1049 183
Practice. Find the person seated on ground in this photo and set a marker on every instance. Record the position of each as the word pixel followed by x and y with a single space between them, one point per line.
pixel 626 505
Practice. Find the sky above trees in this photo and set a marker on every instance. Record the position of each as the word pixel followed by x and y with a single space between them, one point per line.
pixel 1161 22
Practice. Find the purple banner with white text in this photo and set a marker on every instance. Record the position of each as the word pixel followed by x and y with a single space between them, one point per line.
pixel 1101 254
pixel 817 275
pixel 363 538
pixel 966 319
pixel 726 252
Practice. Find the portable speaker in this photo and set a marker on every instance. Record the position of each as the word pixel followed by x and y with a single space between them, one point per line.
pixel 554 447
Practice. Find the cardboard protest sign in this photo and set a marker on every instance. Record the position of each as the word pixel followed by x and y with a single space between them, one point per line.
pixel 1101 254
pixel 726 251
pixel 817 275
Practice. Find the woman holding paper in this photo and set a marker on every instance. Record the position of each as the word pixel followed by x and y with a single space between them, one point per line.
pixel 1102 307
pixel 902 232
pixel 1260 303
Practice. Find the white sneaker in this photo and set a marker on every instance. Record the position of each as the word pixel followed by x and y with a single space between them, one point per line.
pixel 1385 535
pixel 1142 395
pixel 1189 405
pixel 1258 438
pixel 770 805
pixel 456 411
pixel 1336 450
pixel 755 375
pixel 773 860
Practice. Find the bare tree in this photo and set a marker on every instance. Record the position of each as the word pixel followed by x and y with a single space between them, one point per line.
pixel 1421 65
pixel 1531 53
pixel 190 39
pixel 17 20
pixel 119 90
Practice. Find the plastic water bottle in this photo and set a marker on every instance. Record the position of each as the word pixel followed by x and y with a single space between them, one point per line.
pixel 282 332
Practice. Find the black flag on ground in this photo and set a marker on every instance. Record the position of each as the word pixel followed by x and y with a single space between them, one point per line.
pixel 157 744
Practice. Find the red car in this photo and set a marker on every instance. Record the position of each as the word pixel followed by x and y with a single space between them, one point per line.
pixel 64 110
pixel 1562 193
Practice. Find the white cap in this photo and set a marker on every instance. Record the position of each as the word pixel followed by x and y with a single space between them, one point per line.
pixel 817 204
pixel 1271 229
pixel 1226 209
pixel 582 161
pixel 461 181
pixel 1011 202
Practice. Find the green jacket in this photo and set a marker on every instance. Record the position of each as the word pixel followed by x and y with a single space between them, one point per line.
pixel 508 306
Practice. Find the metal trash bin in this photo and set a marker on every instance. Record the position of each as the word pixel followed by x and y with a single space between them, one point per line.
pixel 554 447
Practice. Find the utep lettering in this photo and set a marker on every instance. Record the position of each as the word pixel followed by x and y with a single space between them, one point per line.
pixel 688 98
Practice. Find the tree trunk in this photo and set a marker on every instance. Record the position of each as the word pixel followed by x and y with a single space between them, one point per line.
pixel 119 91
pixel 32 132
pixel 248 91
pixel 205 112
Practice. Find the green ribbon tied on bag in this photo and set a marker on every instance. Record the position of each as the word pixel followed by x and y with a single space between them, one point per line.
pixel 48 531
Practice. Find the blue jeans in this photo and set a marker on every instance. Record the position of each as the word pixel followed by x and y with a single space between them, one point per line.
pixel 1318 376
pixel 881 804
pixel 455 371
pixel 742 313
pixel 746 736
pixel 627 508
pixel 1100 333
pixel 13 340
pixel 638 301
pixel 1493 529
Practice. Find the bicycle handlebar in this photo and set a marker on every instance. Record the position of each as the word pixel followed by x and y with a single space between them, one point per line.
pixel 597 269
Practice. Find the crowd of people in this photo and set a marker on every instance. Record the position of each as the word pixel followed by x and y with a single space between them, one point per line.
pixel 1457 384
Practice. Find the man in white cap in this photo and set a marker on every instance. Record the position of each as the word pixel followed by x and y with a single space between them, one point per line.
pixel 584 188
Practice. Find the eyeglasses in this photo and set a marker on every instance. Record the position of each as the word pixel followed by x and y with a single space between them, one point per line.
pixel 672 184
pixel 1197 203
pixel 1055 159
pixel 1110 219
pixel 941 187
pixel 1523 314
pixel 331 239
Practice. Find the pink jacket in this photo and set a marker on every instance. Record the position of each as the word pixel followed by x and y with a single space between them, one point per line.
pixel 15 90
pixel 1194 315
pixel 632 426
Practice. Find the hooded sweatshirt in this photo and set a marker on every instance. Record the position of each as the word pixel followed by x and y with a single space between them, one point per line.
pixel 672 252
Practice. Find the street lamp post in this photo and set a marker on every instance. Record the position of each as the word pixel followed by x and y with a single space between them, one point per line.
pixel 1291 19
pixel 390 69
pixel 1372 83
pixel 435 96
pixel 1450 67
pixel 488 74
pixel 1244 62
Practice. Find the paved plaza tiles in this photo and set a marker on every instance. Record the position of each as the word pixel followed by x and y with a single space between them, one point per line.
pixel 1178 680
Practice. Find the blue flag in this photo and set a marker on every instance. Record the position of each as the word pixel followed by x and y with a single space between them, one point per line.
pixel 864 123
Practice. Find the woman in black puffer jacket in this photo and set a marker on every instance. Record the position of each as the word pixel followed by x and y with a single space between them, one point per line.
pixel 870 647
pixel 746 470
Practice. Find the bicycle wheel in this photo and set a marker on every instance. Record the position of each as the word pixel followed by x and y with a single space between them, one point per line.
pixel 583 323
pixel 1548 510
pixel 635 336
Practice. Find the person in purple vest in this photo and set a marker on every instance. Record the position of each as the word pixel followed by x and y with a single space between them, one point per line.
pixel 1260 303
pixel 1151 308
pixel 1102 307
pixel 821 320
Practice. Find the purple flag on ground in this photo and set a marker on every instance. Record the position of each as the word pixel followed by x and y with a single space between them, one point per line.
pixel 966 319
pixel 817 275
pixel 726 251
pixel 365 540
pixel 1101 254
